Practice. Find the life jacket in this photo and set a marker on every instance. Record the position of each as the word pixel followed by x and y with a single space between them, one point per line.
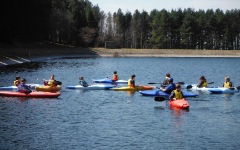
pixel 50 82
pixel 204 84
pixel 227 84
pixel 23 88
pixel 129 83
pixel 83 83
pixel 178 95
pixel 167 82
pixel 16 83
pixel 115 77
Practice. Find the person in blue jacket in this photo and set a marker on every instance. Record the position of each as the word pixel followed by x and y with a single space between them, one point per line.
pixel 22 87
pixel 170 87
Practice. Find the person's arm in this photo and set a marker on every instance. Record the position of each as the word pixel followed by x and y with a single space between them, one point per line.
pixel 200 84
pixel 133 83
pixel 45 83
pixel 230 84
pixel 172 95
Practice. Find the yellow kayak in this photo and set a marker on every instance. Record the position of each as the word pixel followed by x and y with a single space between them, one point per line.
pixel 48 88
pixel 140 88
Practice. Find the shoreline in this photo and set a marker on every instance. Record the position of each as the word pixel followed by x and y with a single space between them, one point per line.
pixel 12 56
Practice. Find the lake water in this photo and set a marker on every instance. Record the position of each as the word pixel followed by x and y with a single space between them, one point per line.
pixel 107 119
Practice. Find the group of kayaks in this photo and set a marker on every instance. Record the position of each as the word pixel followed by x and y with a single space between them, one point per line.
pixel 50 92
pixel 41 91
pixel 214 90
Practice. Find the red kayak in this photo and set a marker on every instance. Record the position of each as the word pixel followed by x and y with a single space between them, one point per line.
pixel 180 103
pixel 32 94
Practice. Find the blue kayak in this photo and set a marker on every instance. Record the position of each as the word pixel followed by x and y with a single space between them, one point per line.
pixel 109 81
pixel 223 90
pixel 163 94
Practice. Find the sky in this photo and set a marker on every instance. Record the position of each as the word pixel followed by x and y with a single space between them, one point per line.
pixel 149 5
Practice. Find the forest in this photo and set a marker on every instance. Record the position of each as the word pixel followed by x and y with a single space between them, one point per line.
pixel 80 23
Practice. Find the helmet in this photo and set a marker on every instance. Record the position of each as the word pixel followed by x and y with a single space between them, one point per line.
pixel 170 79
pixel 168 74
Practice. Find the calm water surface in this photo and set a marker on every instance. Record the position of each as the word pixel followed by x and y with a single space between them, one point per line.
pixel 106 119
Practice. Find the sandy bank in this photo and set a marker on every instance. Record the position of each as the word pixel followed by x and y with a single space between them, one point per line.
pixel 10 56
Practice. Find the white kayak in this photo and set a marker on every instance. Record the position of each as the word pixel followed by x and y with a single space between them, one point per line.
pixel 32 86
pixel 194 87
pixel 92 87
pixel 223 90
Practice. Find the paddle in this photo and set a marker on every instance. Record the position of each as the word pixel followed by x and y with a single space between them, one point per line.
pixel 163 99
pixel 160 99
pixel 232 88
pixel 161 83
pixel 39 79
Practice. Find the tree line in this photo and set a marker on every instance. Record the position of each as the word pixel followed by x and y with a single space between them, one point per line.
pixel 80 23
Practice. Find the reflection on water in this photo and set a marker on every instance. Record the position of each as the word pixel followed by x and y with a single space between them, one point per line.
pixel 108 119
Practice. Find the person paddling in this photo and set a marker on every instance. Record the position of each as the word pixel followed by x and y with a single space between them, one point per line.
pixel 170 87
pixel 17 81
pixel 165 81
pixel 202 82
pixel 83 82
pixel 227 83
pixel 177 94
pixel 52 82
pixel 22 87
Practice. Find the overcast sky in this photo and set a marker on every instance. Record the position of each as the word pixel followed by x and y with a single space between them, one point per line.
pixel 148 5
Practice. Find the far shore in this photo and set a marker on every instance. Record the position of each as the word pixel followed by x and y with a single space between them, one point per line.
pixel 35 54
pixel 102 52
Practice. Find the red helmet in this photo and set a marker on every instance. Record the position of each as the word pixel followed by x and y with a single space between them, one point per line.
pixel 168 74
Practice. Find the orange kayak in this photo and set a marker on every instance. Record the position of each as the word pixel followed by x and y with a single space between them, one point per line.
pixel 48 88
pixel 180 103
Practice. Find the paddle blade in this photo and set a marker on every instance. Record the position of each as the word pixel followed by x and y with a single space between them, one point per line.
pixel 181 83
pixel 211 83
pixel 159 99
pixel 238 87
pixel 189 86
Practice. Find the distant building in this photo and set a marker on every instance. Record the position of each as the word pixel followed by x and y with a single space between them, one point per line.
pixel 110 44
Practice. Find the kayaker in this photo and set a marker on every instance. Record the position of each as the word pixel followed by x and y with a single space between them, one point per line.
pixel 131 82
pixel 170 87
pixel 115 76
pixel 227 82
pixel 83 82
pixel 22 87
pixel 202 82
pixel 165 81
pixel 52 82
pixel 17 81
pixel 177 94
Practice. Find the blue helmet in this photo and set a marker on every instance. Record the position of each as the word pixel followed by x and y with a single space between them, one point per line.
pixel 170 79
